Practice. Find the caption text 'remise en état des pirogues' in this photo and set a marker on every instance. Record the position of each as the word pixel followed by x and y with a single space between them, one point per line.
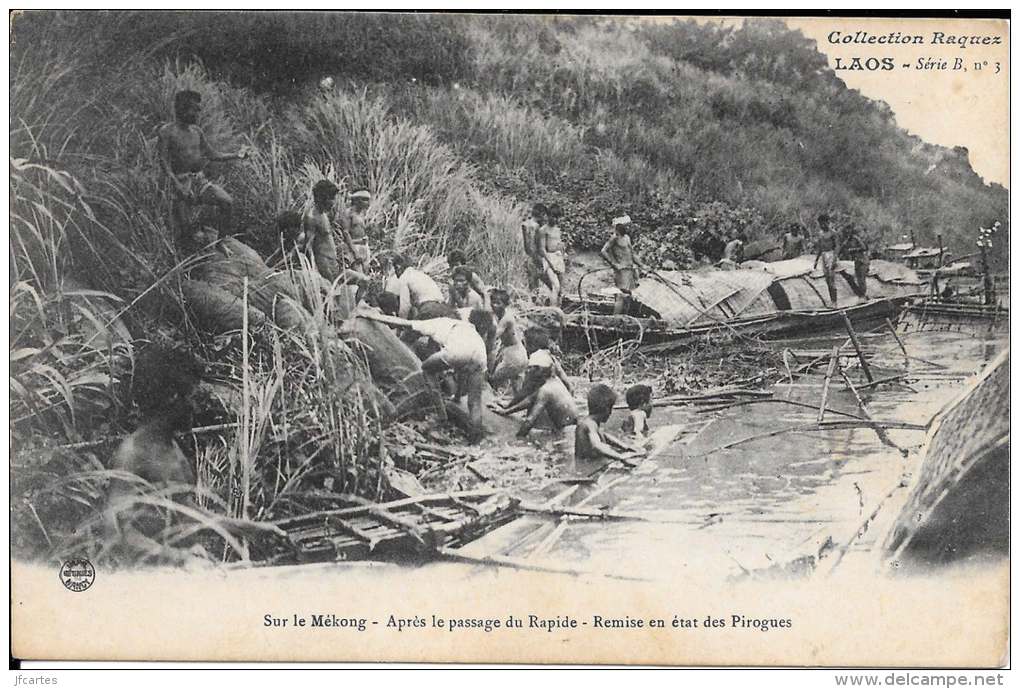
pixel 514 622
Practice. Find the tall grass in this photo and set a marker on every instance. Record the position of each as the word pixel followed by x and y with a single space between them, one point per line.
pixel 496 129
pixel 308 424
pixel 410 173
pixel 494 242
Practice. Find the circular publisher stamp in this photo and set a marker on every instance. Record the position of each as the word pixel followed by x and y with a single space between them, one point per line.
pixel 77 574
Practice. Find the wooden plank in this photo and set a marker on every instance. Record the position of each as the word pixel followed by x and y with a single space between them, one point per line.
pixel 314 517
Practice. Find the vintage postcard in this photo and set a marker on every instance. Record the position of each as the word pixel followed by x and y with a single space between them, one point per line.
pixel 509 338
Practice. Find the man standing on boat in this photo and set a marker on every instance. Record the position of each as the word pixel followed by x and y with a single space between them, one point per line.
pixel 827 246
pixel 793 241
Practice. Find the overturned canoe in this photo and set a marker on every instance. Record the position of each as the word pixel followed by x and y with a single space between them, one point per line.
pixel 763 299
pixel 958 508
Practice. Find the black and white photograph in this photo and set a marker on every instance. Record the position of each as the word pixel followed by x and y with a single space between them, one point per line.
pixel 509 337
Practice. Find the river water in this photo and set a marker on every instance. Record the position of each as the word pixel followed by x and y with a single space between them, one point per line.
pixel 766 507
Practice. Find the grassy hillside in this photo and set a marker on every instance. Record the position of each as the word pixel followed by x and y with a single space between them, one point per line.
pixel 666 122
pixel 457 124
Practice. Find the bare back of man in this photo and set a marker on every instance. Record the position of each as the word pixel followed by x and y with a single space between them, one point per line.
pixel 316 225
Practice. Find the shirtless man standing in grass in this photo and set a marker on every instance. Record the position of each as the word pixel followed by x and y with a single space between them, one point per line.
pixel 184 152
pixel 319 230
pixel 549 247
pixel 355 230
pixel 529 230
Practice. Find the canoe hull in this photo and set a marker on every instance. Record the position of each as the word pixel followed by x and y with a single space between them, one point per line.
pixel 588 331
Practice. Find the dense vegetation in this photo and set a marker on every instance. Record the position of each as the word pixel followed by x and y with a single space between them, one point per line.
pixel 455 123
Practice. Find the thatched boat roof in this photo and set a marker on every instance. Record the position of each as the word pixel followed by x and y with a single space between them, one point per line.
pixel 689 298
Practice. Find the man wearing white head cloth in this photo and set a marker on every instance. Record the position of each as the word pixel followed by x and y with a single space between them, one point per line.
pixel 619 254
pixel 355 230
pixel 552 401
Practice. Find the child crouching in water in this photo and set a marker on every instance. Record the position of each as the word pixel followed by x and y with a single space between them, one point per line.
pixel 639 402
pixel 591 442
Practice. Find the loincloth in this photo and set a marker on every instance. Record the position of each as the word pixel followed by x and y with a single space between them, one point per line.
pixel 554 260
pixel 195 184
pixel 829 262
pixel 361 251
pixel 625 279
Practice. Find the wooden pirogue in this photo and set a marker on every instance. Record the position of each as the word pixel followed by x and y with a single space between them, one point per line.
pixel 932 314
pixel 781 298
pixel 412 526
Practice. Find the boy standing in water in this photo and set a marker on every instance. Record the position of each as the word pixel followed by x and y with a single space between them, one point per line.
pixel 591 442
pixel 619 254
pixel 639 402
pixel 184 152
pixel 549 248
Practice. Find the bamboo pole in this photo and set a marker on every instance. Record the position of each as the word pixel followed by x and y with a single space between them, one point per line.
pixel 793 403
pixel 514 563
pixel 892 329
pixel 825 426
pixel 833 361
pixel 549 541
pixel 880 381
pixel 857 346
pixel 882 435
